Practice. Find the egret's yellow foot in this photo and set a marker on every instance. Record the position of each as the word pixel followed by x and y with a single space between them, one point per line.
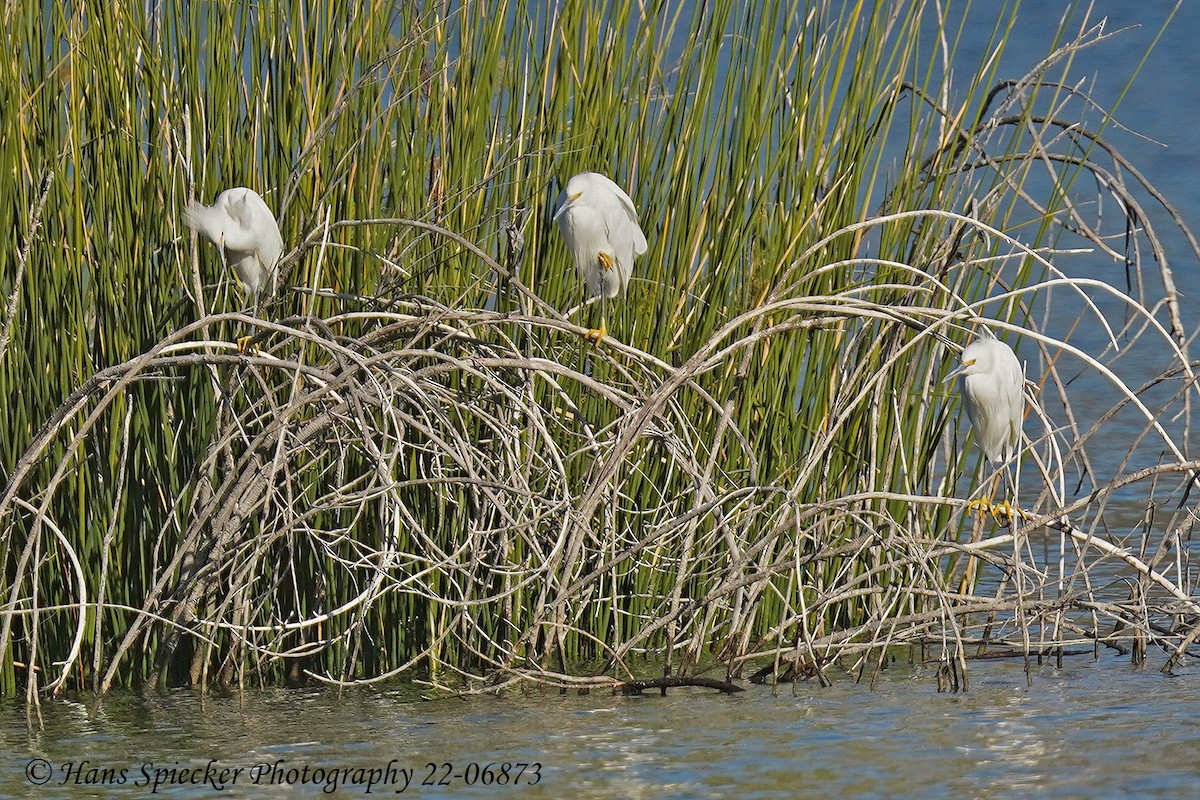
pixel 596 335
pixel 1008 510
pixel 981 505
pixel 243 344
pixel 1002 510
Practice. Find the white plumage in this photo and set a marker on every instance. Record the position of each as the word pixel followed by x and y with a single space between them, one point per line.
pixel 599 223
pixel 601 227
pixel 993 389
pixel 241 224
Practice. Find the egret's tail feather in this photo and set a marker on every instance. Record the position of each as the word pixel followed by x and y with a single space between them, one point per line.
pixel 204 220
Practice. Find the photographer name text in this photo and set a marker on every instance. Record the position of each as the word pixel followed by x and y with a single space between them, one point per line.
pixel 391 778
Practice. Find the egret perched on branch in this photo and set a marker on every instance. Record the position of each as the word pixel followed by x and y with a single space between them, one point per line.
pixel 600 224
pixel 243 228
pixel 992 385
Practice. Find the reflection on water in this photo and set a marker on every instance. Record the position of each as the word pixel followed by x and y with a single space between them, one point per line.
pixel 1090 729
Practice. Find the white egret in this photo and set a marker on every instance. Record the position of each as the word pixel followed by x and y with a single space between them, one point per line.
pixel 243 228
pixel 992 385
pixel 600 225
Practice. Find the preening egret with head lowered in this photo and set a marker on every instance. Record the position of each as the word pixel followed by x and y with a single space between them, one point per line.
pixel 992 386
pixel 243 228
pixel 600 225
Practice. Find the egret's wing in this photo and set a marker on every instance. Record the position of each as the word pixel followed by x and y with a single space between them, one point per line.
pixel 1015 384
pixel 623 231
pixel 624 239
pixel 624 236
pixel 638 238
pixel 256 230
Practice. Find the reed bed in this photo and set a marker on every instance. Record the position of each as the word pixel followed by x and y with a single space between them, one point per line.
pixel 420 471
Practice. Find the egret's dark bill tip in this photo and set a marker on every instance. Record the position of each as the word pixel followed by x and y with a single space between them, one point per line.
pixel 954 373
pixel 565 204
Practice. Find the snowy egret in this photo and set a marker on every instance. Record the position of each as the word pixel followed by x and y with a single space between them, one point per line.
pixel 992 386
pixel 243 228
pixel 600 225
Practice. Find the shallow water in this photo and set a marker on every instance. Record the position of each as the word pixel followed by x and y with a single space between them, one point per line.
pixel 1090 729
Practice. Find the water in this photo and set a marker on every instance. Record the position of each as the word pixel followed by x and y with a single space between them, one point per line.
pixel 1092 729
